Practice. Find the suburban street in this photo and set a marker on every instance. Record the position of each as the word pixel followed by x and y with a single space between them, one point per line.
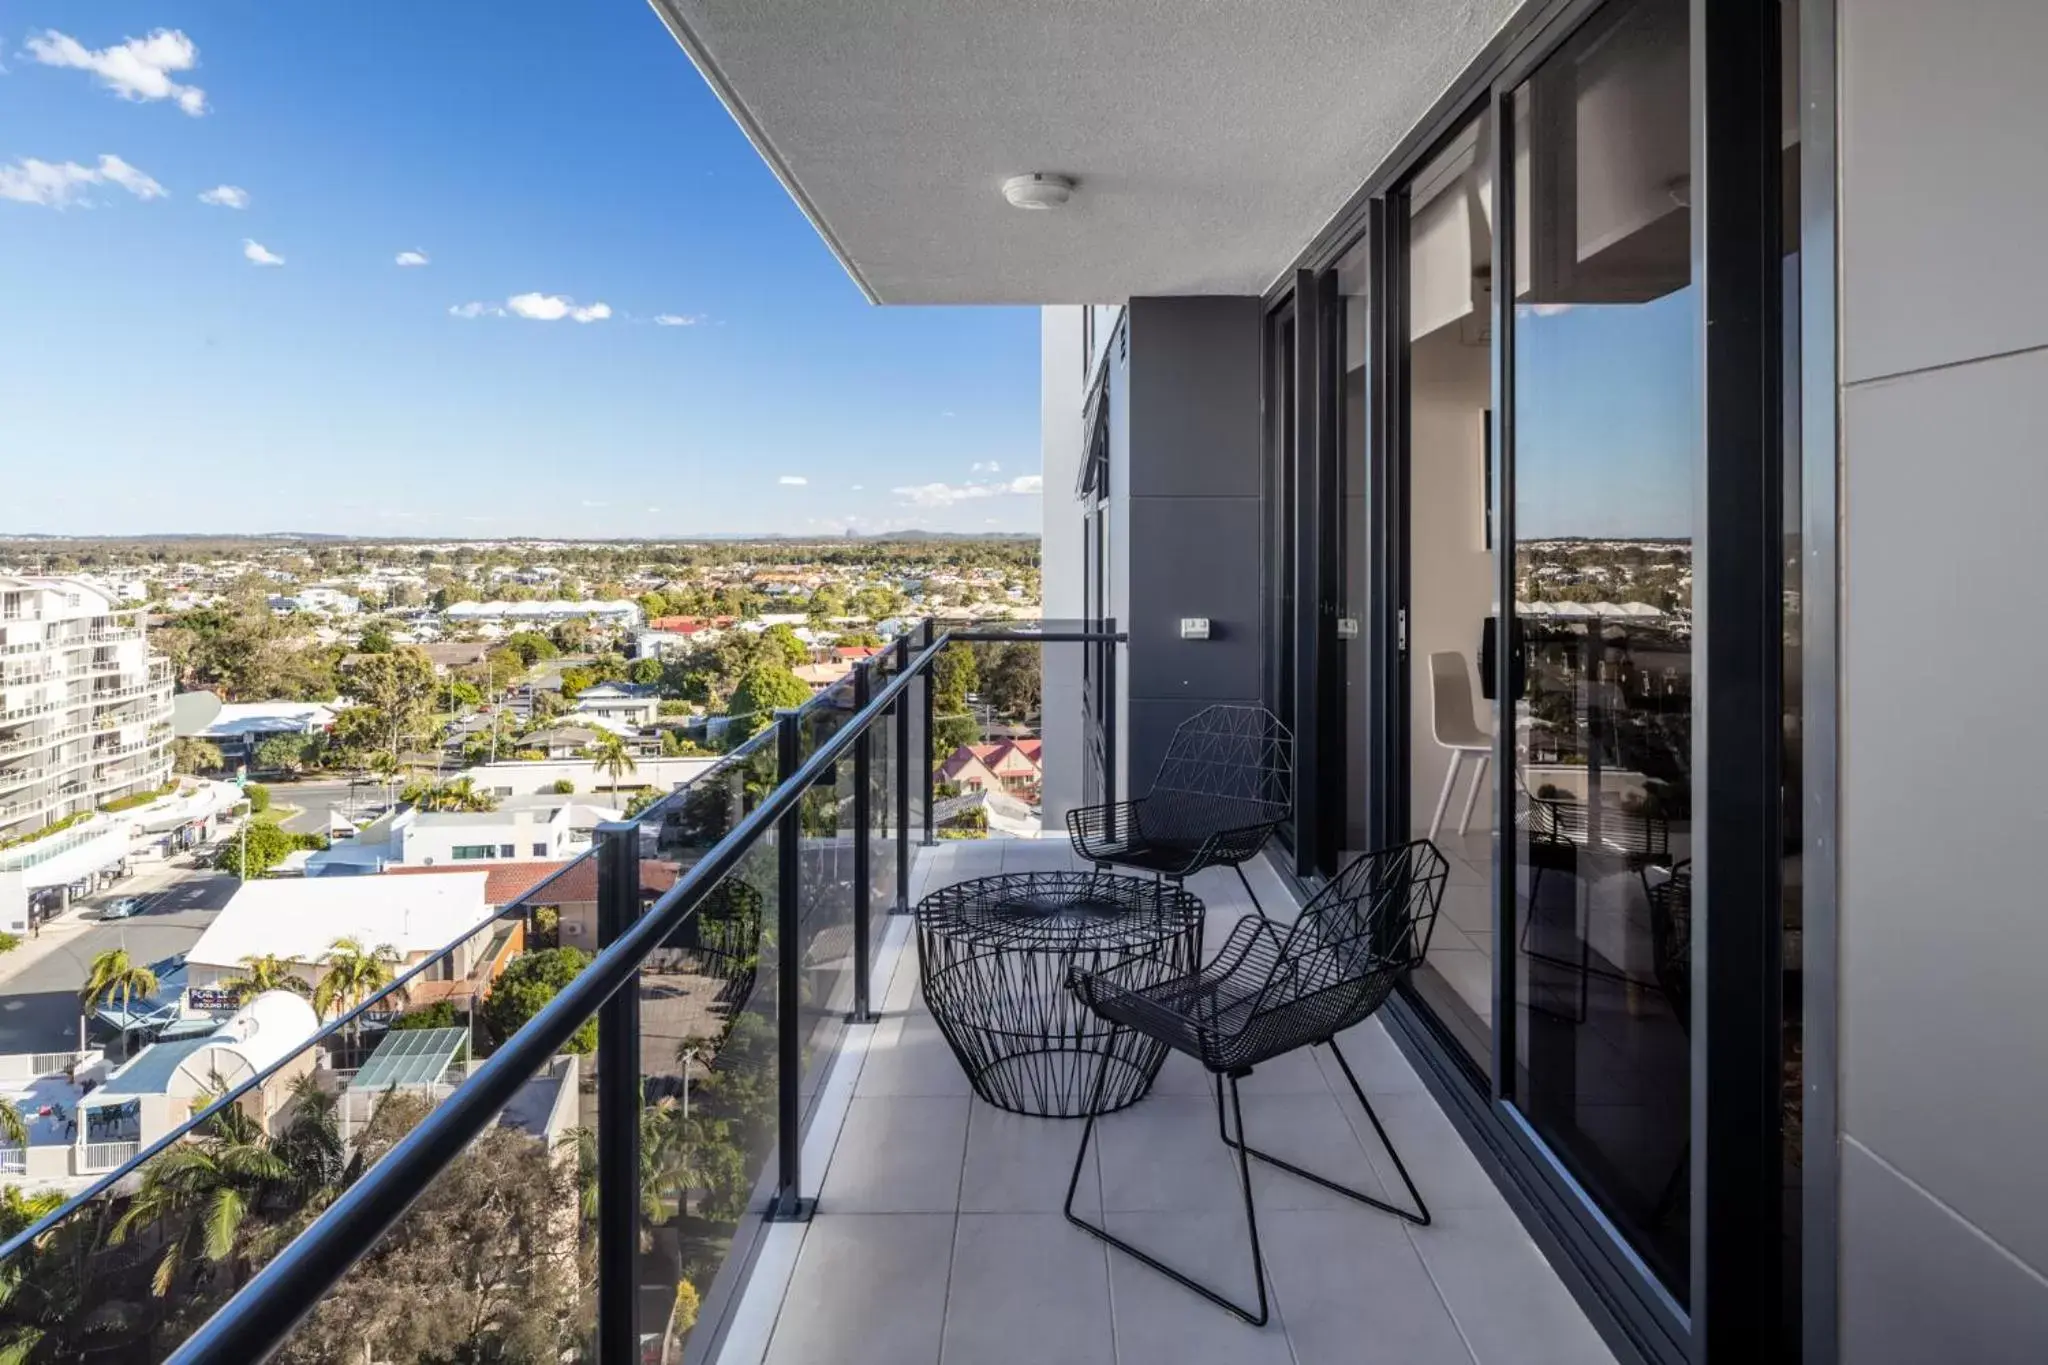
pixel 39 1000
pixel 311 801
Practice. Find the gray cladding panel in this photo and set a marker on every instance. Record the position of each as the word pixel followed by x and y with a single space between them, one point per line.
pixel 1944 181
pixel 1195 557
pixel 1195 397
pixel 1942 930
pixel 1919 1284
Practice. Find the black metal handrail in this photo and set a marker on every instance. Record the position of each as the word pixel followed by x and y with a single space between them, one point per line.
pixel 23 1240
pixel 256 1321
pixel 265 1311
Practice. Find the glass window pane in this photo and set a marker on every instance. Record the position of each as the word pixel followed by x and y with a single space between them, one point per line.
pixel 1451 569
pixel 1606 422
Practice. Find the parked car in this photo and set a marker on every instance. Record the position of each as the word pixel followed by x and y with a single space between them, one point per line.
pixel 121 907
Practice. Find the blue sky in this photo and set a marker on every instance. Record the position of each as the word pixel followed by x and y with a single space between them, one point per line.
pixel 1606 419
pixel 154 376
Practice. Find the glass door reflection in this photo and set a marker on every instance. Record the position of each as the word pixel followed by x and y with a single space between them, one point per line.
pixel 1603 441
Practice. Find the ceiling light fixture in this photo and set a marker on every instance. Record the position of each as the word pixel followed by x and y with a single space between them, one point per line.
pixel 1038 190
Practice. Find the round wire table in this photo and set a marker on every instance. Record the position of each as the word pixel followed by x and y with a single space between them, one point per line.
pixel 994 956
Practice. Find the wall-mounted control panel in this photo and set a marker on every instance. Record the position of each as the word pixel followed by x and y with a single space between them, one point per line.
pixel 1194 627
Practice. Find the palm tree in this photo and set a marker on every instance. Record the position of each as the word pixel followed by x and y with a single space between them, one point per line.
pixel 200 1194
pixel 609 755
pixel 14 1132
pixel 265 972
pixel 115 978
pixel 354 974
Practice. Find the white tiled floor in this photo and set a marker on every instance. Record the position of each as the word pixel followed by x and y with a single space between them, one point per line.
pixel 939 1238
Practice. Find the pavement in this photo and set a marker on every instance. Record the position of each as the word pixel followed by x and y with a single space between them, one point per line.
pixel 311 801
pixel 39 981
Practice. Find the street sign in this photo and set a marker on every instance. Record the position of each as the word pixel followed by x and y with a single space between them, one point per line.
pixel 241 777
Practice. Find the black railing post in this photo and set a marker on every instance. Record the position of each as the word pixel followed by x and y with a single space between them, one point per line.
pixel 790 1206
pixel 618 1102
pixel 924 760
pixel 902 905
pixel 1111 796
pixel 863 858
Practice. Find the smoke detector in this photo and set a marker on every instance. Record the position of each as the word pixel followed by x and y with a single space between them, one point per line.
pixel 1038 190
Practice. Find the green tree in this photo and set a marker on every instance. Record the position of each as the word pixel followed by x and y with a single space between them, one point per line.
pixel 199 1196
pixel 778 644
pixel 571 636
pixel 480 1269
pixel 265 972
pixel 645 672
pixel 394 701
pixel 194 755
pixel 282 754
pixel 575 680
pixel 609 755
pixel 526 985
pixel 531 646
pixel 353 974
pixel 763 690
pixel 375 640
pixel 260 847
pixel 116 979
pixel 457 794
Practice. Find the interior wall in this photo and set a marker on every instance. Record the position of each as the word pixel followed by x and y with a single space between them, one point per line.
pixel 1450 574
pixel 1190 495
pixel 1942 937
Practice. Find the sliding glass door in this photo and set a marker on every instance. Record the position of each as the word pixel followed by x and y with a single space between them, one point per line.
pixel 1604 436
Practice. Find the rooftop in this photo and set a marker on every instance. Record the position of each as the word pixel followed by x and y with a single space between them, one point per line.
pixel 299 919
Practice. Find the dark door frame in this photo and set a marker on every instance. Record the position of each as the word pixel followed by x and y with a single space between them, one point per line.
pixel 1735 1291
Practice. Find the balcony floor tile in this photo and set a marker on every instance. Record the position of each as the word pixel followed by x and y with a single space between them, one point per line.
pixel 939 1236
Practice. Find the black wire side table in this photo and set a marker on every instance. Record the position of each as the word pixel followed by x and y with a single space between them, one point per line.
pixel 994 956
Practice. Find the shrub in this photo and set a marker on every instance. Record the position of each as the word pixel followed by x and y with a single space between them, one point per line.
pixel 259 797
pixel 440 1014
pixel 9 942
pixel 565 786
pixel 524 989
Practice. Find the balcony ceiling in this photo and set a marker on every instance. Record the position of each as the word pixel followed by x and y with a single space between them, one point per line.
pixel 1211 138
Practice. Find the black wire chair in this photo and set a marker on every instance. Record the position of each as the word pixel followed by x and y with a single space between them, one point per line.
pixel 1272 990
pixel 1226 784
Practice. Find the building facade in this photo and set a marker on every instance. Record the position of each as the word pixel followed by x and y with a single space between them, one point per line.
pixel 85 708
pixel 1559 414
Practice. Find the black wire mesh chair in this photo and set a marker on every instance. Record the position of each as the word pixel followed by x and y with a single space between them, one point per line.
pixel 1271 990
pixel 1226 784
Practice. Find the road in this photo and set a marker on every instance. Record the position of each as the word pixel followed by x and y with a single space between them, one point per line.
pixel 313 800
pixel 39 1003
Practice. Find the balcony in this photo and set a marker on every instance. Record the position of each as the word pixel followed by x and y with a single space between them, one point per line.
pixel 770 1155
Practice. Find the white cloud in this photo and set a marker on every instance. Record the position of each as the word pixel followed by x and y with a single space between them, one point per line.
pixel 412 258
pixel 857 488
pixel 128 178
pixel 677 319
pixel 947 494
pixel 225 196
pixel 139 69
pixel 589 503
pixel 654 509
pixel 59 184
pixel 986 467
pixel 792 481
pixel 476 310
pixel 1549 310
pixel 259 254
pixel 555 307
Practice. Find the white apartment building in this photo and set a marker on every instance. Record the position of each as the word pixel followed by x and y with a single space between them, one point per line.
pixel 85 709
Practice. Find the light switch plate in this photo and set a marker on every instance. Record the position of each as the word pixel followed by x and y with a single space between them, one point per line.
pixel 1347 627
pixel 1194 627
